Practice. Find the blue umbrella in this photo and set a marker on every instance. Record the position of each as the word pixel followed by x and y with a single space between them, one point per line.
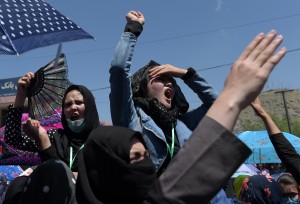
pixel 262 148
pixel 7 174
pixel 29 24
pixel 10 172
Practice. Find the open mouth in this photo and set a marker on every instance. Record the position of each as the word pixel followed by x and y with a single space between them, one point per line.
pixel 168 93
pixel 74 117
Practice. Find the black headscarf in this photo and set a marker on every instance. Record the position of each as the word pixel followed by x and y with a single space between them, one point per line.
pixel 91 117
pixel 105 174
pixel 52 182
pixel 76 140
pixel 259 189
pixel 151 105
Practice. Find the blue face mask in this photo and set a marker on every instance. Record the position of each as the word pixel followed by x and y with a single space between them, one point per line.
pixel 290 201
pixel 76 125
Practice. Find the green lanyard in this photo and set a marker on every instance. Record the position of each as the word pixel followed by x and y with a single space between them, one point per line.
pixel 171 149
pixel 71 156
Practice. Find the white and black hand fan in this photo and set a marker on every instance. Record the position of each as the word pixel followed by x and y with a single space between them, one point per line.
pixel 47 89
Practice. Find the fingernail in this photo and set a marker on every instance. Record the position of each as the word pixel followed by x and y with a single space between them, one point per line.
pixel 260 34
pixel 279 37
pixel 282 49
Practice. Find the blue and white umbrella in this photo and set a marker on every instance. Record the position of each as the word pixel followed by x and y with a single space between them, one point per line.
pixel 29 24
pixel 262 148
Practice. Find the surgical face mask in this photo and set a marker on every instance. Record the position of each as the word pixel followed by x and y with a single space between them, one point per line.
pixel 76 125
pixel 290 201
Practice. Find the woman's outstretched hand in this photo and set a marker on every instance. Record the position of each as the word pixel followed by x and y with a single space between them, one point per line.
pixel 247 77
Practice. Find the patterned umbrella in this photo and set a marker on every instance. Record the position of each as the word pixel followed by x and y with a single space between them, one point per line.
pixel 262 148
pixel 10 172
pixel 29 24
pixel 7 174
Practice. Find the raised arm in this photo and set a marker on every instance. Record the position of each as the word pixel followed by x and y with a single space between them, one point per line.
pixel 199 166
pixel 271 127
pixel 284 149
pixel 121 103
pixel 14 135
pixel 23 84
pixel 17 137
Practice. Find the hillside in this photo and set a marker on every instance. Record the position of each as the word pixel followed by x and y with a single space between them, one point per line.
pixel 273 103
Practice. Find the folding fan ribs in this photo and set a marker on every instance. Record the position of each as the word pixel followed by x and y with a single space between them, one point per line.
pixel 46 90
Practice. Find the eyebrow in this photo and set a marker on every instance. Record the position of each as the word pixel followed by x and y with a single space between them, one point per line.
pixel 76 100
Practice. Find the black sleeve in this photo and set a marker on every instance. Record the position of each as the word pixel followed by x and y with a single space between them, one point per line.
pixel 14 135
pixel 49 153
pixel 134 27
pixel 190 72
pixel 287 154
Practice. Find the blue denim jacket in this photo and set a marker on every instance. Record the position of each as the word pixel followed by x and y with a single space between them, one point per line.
pixel 124 113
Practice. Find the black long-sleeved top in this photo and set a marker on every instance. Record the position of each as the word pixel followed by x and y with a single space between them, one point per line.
pixel 287 154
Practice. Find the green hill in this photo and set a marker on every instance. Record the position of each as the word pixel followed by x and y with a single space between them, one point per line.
pixel 273 102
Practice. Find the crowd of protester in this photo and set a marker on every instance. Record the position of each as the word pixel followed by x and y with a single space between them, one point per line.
pixel 156 150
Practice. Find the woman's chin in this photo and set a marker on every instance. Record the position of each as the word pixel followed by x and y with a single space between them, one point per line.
pixel 167 106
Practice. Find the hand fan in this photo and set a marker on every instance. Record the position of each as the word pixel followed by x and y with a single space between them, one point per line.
pixel 47 89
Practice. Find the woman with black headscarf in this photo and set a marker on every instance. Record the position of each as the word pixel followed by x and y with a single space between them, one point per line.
pixel 259 189
pixel 151 102
pixel 110 172
pixel 114 167
pixel 79 118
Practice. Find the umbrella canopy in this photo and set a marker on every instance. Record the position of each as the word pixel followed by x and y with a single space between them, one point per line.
pixel 262 148
pixel 7 174
pixel 10 171
pixel 29 24
pixel 246 169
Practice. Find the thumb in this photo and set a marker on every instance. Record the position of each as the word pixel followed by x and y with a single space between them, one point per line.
pixel 28 122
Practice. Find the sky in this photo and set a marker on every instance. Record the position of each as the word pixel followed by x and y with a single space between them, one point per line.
pixel 206 35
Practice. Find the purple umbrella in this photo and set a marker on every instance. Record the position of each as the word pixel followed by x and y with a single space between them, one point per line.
pixel 246 169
